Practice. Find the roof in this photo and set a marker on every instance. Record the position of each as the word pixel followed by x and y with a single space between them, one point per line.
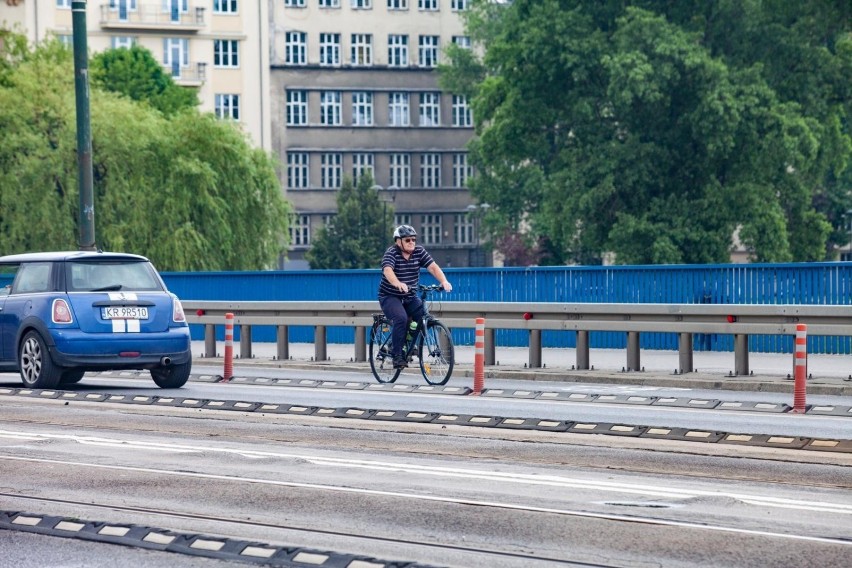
pixel 69 255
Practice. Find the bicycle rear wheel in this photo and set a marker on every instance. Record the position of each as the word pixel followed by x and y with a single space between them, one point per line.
pixel 437 353
pixel 381 360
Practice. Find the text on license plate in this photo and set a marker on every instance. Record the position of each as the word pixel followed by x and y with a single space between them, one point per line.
pixel 124 312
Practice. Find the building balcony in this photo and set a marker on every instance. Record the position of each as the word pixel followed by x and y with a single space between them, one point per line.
pixel 190 75
pixel 151 17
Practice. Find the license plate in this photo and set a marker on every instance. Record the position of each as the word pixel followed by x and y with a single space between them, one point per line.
pixel 124 312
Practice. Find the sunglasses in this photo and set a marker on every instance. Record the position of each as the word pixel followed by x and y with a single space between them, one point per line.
pixel 409 240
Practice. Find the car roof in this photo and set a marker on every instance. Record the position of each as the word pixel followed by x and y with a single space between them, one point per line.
pixel 70 255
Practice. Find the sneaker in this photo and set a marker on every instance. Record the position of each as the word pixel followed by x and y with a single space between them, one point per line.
pixel 399 362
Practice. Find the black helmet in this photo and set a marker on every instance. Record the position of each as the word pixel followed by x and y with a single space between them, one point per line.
pixel 404 231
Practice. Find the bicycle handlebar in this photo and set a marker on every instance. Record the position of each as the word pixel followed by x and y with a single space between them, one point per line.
pixel 430 288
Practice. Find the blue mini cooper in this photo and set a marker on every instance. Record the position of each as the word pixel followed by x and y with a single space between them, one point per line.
pixel 65 313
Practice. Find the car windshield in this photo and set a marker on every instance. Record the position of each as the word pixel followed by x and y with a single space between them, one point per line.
pixel 111 276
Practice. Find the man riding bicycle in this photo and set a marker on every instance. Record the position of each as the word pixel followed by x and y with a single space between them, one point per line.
pixel 401 266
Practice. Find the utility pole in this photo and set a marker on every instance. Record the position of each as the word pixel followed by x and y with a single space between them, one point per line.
pixel 86 239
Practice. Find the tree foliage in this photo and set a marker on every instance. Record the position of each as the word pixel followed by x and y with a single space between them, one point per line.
pixel 658 130
pixel 135 72
pixel 187 191
pixel 360 232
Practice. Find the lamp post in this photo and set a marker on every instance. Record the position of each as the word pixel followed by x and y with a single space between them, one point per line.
pixel 387 198
pixel 477 257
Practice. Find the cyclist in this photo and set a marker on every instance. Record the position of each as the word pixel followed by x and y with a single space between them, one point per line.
pixel 401 266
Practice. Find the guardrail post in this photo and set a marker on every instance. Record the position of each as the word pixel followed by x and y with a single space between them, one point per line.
pixel 633 351
pixel 320 347
pixel 800 369
pixel 740 354
pixel 490 348
pixel 583 349
pixel 210 340
pixel 282 342
pixel 684 349
pixel 535 348
pixel 245 341
pixel 360 343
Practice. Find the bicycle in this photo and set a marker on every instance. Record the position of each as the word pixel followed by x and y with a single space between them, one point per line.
pixel 431 342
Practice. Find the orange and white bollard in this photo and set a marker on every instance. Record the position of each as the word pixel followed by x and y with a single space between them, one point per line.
pixel 800 364
pixel 229 347
pixel 479 357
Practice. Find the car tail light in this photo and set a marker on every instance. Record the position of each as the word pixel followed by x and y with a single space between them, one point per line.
pixel 61 311
pixel 177 311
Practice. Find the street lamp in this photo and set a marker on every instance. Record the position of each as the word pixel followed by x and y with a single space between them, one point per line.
pixel 387 198
pixel 476 212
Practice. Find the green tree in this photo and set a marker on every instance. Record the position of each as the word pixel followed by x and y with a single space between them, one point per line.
pixel 359 234
pixel 135 72
pixel 188 191
pixel 658 130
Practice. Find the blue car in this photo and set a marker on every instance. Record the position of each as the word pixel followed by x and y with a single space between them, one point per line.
pixel 65 313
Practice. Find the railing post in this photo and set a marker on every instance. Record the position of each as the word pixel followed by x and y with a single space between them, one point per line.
pixel 320 343
pixel 283 342
pixel 490 349
pixel 535 348
pixel 245 341
pixel 360 343
pixel 684 349
pixel 583 349
pixel 210 340
pixel 740 354
pixel 633 351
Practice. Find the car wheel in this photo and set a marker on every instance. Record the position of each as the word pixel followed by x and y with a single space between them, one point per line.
pixel 71 377
pixel 37 368
pixel 173 376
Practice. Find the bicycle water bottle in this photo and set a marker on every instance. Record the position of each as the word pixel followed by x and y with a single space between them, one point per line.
pixel 412 328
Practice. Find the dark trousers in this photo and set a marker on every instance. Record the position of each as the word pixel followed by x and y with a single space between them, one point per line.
pixel 398 310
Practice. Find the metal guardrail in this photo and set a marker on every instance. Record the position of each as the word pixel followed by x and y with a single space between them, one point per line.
pixel 739 320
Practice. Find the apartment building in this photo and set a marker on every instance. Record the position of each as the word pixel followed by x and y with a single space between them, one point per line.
pixel 219 47
pixel 355 90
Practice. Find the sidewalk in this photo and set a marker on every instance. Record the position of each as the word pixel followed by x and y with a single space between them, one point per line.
pixel 769 372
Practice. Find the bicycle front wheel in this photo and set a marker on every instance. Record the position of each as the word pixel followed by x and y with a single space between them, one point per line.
pixel 437 354
pixel 381 360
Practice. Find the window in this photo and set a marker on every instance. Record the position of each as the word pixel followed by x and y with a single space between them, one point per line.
pixel 362 164
pixel 462 171
pixel 297 108
pixel 295 48
pixel 430 228
pixel 328 221
pixel 461 112
pixel 224 6
pixel 329 3
pixel 362 108
pixel 463 230
pixel 430 170
pixel 330 108
pixel 361 4
pixel 428 51
pixel 397 50
pixel 227 106
pixel 397 4
pixel 458 5
pixel 332 171
pixel 175 54
pixel 398 114
pixel 330 50
pixel 400 170
pixel 362 49
pixel 63 4
pixel 401 219
pixel 462 41
pixel 119 5
pixel 430 5
pixel 67 40
pixel 430 109
pixel 226 53
pixel 294 3
pixel 297 170
pixel 300 230
pixel 117 42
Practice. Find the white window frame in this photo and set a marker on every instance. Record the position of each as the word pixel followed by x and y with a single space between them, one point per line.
pixel 361 51
pixel 462 41
pixel 430 170
pixel 399 113
pixel 397 4
pixel 362 108
pixel 427 5
pixel 427 51
pixel 294 3
pixel 430 229
pixel 298 170
pixel 430 109
pixel 397 50
pixel 459 5
pixel 170 46
pixel 329 49
pixel 295 48
pixel 118 42
pixel 361 4
pixel 227 106
pixel 225 7
pixel 462 170
pixel 300 231
pixel 463 229
pixel 297 107
pixel 400 170
pixel 329 3
pixel 63 4
pixel 401 219
pixel 114 5
pixel 226 53
pixel 462 115
pixel 362 163
pixel 331 170
pixel 331 108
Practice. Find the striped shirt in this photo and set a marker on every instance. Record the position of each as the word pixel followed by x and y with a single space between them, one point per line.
pixel 407 271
